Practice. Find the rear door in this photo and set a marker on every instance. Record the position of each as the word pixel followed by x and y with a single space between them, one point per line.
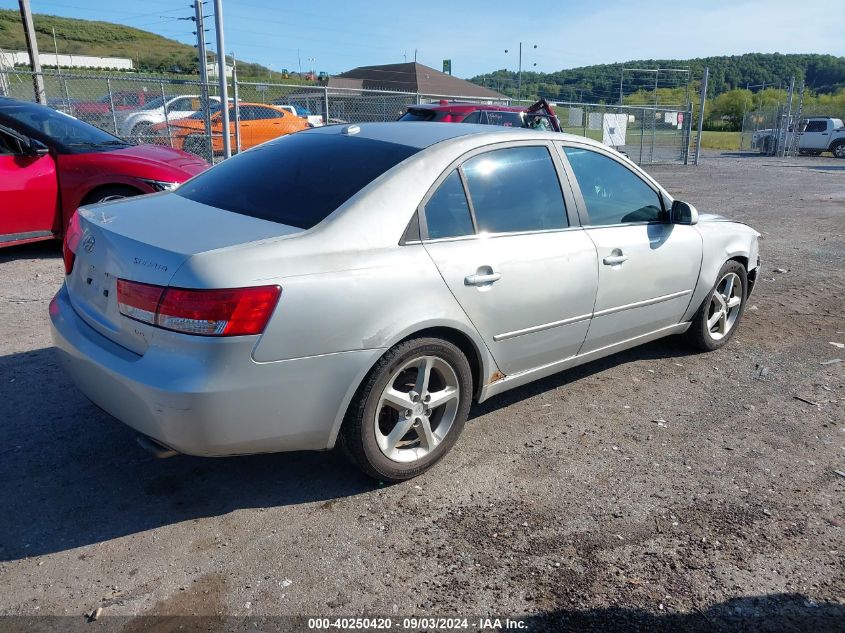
pixel 647 267
pixel 28 190
pixel 496 225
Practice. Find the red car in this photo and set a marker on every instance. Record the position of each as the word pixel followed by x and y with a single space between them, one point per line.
pixel 539 115
pixel 51 163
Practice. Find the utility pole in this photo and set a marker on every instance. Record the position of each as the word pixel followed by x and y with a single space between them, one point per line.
pixel 224 82
pixel 788 121
pixel 701 113
pixel 199 19
pixel 32 48
pixel 621 79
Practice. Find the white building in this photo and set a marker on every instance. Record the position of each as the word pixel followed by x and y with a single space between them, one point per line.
pixel 10 59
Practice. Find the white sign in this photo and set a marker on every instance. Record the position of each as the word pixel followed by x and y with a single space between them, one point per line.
pixel 594 122
pixel 576 117
pixel 614 127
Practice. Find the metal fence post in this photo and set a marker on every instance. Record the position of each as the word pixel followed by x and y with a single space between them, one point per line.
pixel 325 105
pixel 586 119
pixel 237 105
pixel 111 104
pixel 67 94
pixel 166 116
pixel 701 113
pixel 642 134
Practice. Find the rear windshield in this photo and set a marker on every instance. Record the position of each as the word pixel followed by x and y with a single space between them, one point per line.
pixel 297 180
pixel 418 114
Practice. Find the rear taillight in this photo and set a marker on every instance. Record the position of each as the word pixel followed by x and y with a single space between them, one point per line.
pixel 229 312
pixel 71 242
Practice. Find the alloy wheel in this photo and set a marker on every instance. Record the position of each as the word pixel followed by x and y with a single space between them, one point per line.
pixel 417 408
pixel 725 303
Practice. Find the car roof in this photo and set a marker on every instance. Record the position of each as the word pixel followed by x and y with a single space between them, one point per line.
pixel 422 134
pixel 8 102
pixel 466 107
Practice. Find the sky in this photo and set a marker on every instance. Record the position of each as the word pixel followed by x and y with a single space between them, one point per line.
pixel 336 35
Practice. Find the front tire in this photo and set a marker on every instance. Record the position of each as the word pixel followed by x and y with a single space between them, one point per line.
pixel 143 133
pixel 107 194
pixel 410 409
pixel 718 317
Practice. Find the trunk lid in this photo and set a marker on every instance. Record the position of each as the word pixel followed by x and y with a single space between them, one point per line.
pixel 147 239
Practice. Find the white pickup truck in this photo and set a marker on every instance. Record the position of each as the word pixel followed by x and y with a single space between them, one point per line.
pixel 815 135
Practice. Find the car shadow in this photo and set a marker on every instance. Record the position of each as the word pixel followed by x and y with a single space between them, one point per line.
pixel 670 347
pixel 50 249
pixel 72 475
pixel 773 613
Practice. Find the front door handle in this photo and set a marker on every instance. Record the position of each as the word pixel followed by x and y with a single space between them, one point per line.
pixel 615 258
pixel 481 280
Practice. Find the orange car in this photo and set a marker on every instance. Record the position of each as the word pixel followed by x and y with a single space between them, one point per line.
pixel 259 123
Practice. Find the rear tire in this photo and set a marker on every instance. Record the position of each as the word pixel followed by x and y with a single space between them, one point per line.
pixel 142 133
pixel 409 411
pixel 718 317
pixel 838 149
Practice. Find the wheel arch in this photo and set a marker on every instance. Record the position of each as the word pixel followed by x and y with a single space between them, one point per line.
pixel 720 248
pixel 91 194
pixel 481 362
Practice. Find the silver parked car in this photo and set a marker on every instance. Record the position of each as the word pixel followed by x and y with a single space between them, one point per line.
pixel 362 285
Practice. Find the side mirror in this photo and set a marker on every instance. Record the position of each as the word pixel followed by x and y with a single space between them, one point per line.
pixel 37 148
pixel 683 213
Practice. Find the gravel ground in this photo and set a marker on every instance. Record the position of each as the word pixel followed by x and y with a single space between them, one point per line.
pixel 654 490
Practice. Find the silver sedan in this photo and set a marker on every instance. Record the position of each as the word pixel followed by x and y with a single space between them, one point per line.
pixel 363 285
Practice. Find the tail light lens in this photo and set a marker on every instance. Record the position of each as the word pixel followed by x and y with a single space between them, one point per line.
pixel 228 312
pixel 71 242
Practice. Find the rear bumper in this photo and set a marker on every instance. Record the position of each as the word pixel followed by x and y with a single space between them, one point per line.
pixel 209 397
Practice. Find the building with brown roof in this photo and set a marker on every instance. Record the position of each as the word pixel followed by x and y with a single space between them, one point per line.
pixel 410 77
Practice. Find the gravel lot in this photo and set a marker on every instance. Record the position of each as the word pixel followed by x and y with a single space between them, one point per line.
pixel 654 490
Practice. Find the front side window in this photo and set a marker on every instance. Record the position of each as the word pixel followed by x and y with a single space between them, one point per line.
pixel 816 126
pixel 447 211
pixel 612 192
pixel 515 189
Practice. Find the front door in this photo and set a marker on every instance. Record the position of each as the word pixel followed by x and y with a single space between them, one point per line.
pixel 647 267
pixel 28 190
pixel 815 136
pixel 498 231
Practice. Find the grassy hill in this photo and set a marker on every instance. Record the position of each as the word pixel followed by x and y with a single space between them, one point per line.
pixel 600 83
pixel 150 52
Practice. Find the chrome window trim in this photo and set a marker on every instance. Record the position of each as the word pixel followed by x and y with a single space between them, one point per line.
pixel 484 236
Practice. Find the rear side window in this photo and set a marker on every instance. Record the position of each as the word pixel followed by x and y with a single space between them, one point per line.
pixel 612 192
pixel 515 189
pixel 447 211
pixel 816 126
pixel 297 180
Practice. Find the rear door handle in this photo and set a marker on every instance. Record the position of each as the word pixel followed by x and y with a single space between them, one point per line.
pixel 481 280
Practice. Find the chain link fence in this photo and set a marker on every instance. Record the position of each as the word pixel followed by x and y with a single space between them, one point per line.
pixel 646 134
pixel 181 113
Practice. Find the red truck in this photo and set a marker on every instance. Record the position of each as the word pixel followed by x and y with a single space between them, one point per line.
pixel 539 115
